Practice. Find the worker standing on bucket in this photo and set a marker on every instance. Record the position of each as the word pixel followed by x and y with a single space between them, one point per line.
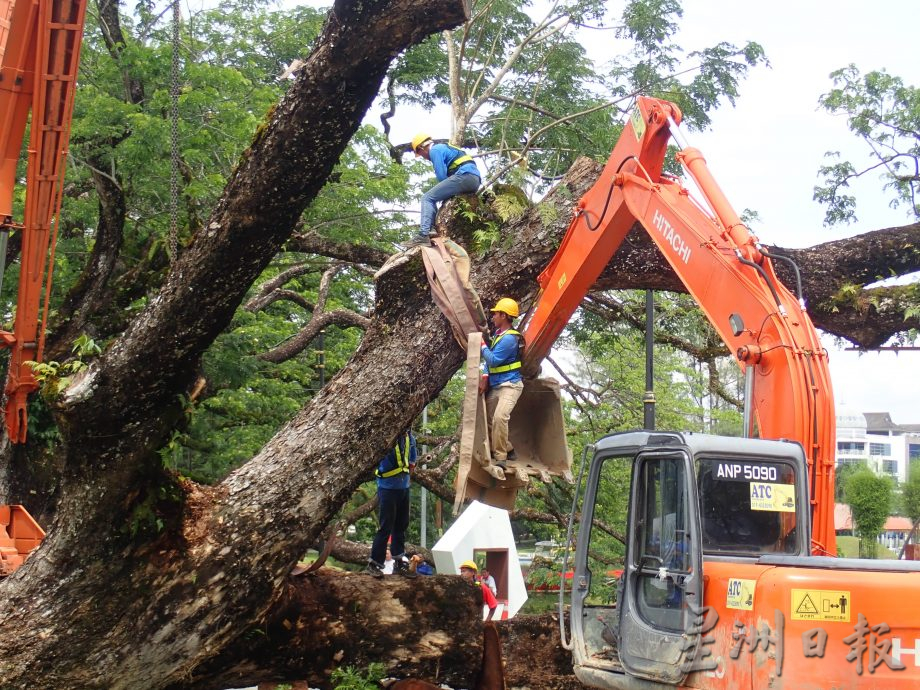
pixel 502 358
pixel 457 173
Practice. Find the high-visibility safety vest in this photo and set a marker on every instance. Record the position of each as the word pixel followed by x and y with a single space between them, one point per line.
pixel 516 364
pixel 458 161
pixel 402 459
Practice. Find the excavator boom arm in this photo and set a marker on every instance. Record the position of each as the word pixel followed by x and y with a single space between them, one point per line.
pixel 39 54
pixel 726 271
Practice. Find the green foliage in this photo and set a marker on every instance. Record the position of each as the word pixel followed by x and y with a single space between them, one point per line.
pixel 532 99
pixel 614 364
pixel 484 238
pixel 885 113
pixel 510 205
pixel 54 377
pixel 869 498
pixel 351 678
pixel 842 474
pixel 910 492
pixel 148 516
pixel 848 296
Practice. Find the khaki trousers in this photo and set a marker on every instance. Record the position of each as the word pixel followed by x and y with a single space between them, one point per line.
pixel 499 403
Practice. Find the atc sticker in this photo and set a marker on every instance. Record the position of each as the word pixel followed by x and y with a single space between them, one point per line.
pixel 638 123
pixel 740 594
pixel 778 498
pixel 820 605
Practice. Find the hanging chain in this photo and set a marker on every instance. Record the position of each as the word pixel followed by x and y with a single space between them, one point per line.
pixel 174 137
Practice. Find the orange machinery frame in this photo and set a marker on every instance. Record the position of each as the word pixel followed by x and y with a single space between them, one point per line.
pixel 39 54
pixel 726 270
pixel 19 534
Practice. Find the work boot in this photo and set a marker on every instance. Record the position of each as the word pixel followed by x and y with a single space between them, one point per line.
pixel 418 241
pixel 401 567
pixel 374 569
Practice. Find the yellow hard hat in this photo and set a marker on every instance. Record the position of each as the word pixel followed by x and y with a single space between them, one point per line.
pixel 418 140
pixel 470 565
pixel 507 305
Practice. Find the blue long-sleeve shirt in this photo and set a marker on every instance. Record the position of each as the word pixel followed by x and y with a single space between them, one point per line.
pixel 389 463
pixel 504 350
pixel 442 155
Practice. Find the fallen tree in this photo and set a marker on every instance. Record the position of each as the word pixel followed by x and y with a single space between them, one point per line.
pixel 146 580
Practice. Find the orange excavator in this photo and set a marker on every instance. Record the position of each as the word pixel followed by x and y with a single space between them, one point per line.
pixel 39 53
pixel 730 579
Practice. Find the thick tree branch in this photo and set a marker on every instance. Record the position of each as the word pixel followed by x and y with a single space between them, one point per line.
pixel 290 348
pixel 262 301
pixel 311 243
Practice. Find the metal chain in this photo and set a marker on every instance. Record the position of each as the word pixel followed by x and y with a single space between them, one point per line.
pixel 174 137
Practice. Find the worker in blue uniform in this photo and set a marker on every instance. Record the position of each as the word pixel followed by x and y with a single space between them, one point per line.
pixel 502 357
pixel 457 173
pixel 393 506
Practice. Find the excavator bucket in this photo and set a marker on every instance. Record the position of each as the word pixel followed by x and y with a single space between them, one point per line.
pixel 537 433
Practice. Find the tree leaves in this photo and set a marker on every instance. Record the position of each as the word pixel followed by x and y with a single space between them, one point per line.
pixel 885 113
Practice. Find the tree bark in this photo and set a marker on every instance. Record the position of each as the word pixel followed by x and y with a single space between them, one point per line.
pixel 428 628
pixel 141 580
pixel 91 289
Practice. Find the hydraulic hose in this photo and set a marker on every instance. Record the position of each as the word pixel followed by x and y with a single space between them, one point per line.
pixel 766 279
pixel 795 267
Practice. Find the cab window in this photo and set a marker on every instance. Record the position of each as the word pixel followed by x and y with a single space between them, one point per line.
pixel 747 507
pixel 663 540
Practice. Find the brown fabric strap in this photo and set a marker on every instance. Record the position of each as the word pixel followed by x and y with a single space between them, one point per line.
pixel 462 278
pixel 447 291
pixel 473 419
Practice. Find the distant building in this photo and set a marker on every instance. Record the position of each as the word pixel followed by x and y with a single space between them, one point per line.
pixel 879 424
pixel 893 533
pixel 872 439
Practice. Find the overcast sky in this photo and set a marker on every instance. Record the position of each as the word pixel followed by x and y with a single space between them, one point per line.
pixel 766 151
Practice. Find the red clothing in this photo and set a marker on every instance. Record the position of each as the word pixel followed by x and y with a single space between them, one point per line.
pixel 487 597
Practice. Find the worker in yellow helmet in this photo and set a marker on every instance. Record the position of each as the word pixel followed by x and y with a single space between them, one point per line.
pixel 502 365
pixel 457 173
pixel 468 572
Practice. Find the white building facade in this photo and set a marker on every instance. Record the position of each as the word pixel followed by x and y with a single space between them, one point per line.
pixel 874 440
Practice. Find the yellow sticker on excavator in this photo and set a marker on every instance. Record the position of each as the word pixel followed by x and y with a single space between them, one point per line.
pixel 740 594
pixel 820 605
pixel 778 498
pixel 638 123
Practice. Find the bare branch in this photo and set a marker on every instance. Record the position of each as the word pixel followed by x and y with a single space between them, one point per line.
pixel 295 345
pixel 312 243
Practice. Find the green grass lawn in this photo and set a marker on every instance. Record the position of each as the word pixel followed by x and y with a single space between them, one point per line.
pixel 848 547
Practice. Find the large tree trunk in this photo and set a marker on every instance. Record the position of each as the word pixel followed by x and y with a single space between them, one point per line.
pixel 141 581
pixel 428 628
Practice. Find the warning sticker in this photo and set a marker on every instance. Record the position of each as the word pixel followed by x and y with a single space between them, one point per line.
pixel 740 594
pixel 820 605
pixel 638 123
pixel 775 497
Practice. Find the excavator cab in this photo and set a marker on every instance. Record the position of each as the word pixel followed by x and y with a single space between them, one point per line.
pixel 691 498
